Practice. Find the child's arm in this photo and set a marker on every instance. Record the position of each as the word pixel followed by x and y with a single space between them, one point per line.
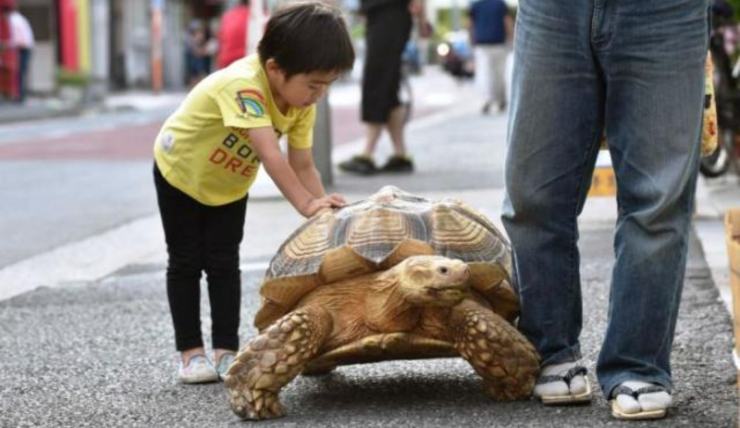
pixel 265 143
pixel 301 160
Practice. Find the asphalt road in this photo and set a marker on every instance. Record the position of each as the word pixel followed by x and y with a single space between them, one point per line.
pixel 99 354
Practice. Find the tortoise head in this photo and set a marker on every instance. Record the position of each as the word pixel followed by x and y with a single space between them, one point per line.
pixel 433 280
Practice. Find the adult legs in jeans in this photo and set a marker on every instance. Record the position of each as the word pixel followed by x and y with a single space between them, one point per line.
pixel 633 68
pixel 24 58
pixel 201 238
pixel 653 124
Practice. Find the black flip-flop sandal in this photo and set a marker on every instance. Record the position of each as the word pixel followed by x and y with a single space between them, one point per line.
pixel 619 413
pixel 581 398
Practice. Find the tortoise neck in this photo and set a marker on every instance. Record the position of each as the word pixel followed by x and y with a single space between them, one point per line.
pixel 387 309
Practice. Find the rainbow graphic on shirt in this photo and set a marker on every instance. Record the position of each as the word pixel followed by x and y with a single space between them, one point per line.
pixel 251 102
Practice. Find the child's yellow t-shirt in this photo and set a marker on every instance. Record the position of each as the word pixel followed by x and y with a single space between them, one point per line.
pixel 203 148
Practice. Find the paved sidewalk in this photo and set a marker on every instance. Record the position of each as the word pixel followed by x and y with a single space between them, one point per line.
pixel 98 352
pixel 36 108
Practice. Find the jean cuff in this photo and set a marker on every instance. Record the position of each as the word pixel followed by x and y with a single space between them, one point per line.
pixel 567 355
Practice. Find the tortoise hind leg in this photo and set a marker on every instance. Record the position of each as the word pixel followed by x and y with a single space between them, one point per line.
pixel 504 358
pixel 272 359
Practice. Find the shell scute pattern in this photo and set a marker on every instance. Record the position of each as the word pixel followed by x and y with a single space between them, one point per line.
pixel 375 234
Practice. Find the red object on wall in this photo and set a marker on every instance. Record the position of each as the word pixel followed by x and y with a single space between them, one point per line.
pixel 232 36
pixel 8 57
pixel 68 35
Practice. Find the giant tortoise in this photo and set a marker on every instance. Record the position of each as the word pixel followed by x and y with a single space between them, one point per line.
pixel 395 276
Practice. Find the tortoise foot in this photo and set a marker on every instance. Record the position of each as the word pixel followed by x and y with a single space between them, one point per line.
pixel 271 360
pixel 256 404
pixel 505 360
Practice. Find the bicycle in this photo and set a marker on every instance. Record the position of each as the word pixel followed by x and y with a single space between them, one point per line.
pixel 727 95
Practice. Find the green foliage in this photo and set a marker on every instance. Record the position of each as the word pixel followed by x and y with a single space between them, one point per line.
pixel 448 19
pixel 444 21
pixel 736 6
pixel 72 78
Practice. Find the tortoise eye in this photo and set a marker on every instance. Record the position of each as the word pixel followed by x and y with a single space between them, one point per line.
pixel 443 270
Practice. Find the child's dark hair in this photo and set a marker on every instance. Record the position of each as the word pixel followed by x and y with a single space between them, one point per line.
pixel 306 37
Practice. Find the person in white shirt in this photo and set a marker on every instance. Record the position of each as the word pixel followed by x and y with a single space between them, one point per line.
pixel 21 36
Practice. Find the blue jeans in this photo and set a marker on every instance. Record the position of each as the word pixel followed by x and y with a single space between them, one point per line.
pixel 633 69
pixel 24 58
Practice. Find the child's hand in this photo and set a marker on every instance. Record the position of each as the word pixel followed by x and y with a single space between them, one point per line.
pixel 337 200
pixel 334 200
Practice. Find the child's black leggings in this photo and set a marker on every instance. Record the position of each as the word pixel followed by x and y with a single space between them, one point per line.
pixel 201 238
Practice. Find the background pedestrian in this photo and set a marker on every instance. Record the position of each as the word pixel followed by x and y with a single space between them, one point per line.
pixel 232 34
pixel 22 39
pixel 387 29
pixel 491 27
pixel 196 53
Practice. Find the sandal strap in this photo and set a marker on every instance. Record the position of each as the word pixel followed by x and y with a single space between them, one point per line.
pixel 567 377
pixel 635 393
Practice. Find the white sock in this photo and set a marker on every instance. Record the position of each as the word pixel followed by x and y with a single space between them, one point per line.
pixel 560 387
pixel 646 401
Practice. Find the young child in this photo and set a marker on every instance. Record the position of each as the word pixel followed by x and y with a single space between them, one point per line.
pixel 207 155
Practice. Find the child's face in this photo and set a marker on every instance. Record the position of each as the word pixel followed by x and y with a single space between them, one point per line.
pixel 303 89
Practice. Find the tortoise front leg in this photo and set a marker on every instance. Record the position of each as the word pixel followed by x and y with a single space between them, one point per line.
pixel 272 359
pixel 504 358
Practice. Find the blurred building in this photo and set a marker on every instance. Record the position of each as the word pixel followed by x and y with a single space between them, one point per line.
pixel 109 45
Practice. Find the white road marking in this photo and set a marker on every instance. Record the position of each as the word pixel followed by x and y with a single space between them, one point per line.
pixel 86 260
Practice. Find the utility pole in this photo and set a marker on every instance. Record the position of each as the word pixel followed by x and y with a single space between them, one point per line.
pixel 322 141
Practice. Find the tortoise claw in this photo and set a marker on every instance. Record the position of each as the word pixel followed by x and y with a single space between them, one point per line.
pixel 256 405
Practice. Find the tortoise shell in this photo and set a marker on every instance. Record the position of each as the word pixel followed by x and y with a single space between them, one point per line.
pixel 379 232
